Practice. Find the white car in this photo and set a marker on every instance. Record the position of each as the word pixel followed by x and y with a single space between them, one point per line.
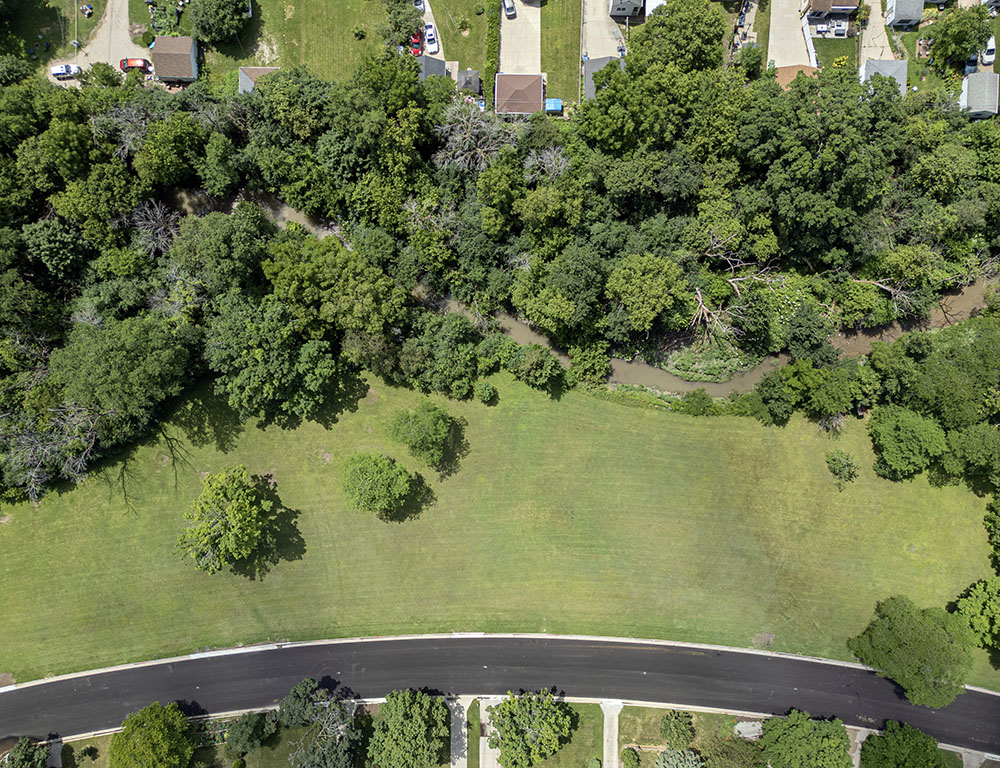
pixel 989 54
pixel 65 71
pixel 431 39
pixel 508 8
pixel 419 5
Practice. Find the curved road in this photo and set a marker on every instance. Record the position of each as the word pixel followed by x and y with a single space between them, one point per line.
pixel 492 665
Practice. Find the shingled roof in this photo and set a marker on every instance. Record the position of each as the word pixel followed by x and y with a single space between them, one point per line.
pixel 518 94
pixel 172 58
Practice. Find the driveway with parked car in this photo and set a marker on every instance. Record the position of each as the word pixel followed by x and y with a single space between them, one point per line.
pixel 111 41
pixel 432 40
pixel 521 38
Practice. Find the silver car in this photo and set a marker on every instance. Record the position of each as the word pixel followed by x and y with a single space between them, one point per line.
pixel 508 8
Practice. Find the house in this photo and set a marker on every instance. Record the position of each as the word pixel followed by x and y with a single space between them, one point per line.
pixel 979 94
pixel 894 68
pixel 248 77
pixel 821 9
pixel 518 94
pixel 903 13
pixel 592 66
pixel 468 80
pixel 175 59
pixel 431 66
pixel 626 7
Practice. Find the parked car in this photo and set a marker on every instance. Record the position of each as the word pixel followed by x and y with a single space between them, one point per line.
pixel 431 39
pixel 508 8
pixel 419 5
pixel 972 64
pixel 743 20
pixel 416 47
pixel 127 65
pixel 989 54
pixel 65 71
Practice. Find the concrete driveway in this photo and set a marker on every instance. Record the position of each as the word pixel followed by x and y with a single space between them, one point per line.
pixel 874 40
pixel 111 41
pixel 521 39
pixel 786 45
pixel 429 19
pixel 601 36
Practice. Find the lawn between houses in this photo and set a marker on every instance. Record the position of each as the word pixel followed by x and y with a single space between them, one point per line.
pixel 710 530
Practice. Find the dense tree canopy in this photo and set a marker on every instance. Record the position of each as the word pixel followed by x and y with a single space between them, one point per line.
pixel 154 737
pixel 412 732
pixel 927 651
pixel 901 746
pixel 528 728
pixel 797 741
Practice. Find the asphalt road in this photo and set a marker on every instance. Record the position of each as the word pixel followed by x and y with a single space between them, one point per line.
pixel 494 665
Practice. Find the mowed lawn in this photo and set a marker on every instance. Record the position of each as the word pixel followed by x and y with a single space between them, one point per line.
pixel 574 515
pixel 467 48
pixel 561 48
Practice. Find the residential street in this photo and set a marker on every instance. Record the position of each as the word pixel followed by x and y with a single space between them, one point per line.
pixel 521 39
pixel 786 46
pixel 601 36
pixel 492 665
pixel 111 42
pixel 874 40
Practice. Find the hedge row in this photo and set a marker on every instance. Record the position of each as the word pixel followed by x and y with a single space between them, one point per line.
pixel 492 61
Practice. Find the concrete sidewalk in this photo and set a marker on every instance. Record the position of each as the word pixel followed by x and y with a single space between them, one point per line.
pixel 521 39
pixel 488 758
pixel 611 710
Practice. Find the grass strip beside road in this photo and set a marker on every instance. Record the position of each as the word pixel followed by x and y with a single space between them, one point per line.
pixel 714 530
pixel 473 734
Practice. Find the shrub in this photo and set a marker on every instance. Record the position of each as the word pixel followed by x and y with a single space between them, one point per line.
pixel 147 38
pixel 677 729
pixel 485 392
pixel 359 32
pixel 590 364
pixel 698 403
pixel 492 61
pixel 463 24
pixel 536 366
pixel 375 483
pixel 425 431
pixel 239 763
pixel 678 758
pixel 478 9
pixel 630 758
pixel 842 466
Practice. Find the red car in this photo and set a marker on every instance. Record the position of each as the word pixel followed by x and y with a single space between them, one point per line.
pixel 416 45
pixel 127 65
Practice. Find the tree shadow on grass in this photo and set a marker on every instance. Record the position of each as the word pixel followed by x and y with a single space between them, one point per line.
pixel 281 539
pixel 206 418
pixel 245 44
pixel 417 500
pixel 456 448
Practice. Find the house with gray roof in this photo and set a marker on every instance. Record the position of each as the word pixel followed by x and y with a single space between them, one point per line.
pixel 468 80
pixel 903 13
pixel 431 66
pixel 979 95
pixel 175 59
pixel 894 68
pixel 592 66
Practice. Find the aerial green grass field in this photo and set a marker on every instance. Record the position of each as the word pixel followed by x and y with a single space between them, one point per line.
pixel 575 515
pixel 561 48
pixel 52 22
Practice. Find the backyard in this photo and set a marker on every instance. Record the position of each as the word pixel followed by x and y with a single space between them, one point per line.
pixel 710 529
pixel 561 48
pixel 828 50
pixel 468 48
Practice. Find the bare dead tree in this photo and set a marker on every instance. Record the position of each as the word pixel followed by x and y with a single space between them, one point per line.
pixel 547 165
pixel 157 225
pixel 471 138
pixel 36 452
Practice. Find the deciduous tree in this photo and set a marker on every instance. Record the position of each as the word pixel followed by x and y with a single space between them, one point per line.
pixel 797 741
pixel 153 737
pixel 412 732
pixel 528 728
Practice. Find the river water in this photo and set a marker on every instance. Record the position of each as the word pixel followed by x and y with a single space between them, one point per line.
pixel 953 308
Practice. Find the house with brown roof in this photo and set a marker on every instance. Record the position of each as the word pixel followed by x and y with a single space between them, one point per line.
pixel 519 94
pixel 248 77
pixel 175 59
